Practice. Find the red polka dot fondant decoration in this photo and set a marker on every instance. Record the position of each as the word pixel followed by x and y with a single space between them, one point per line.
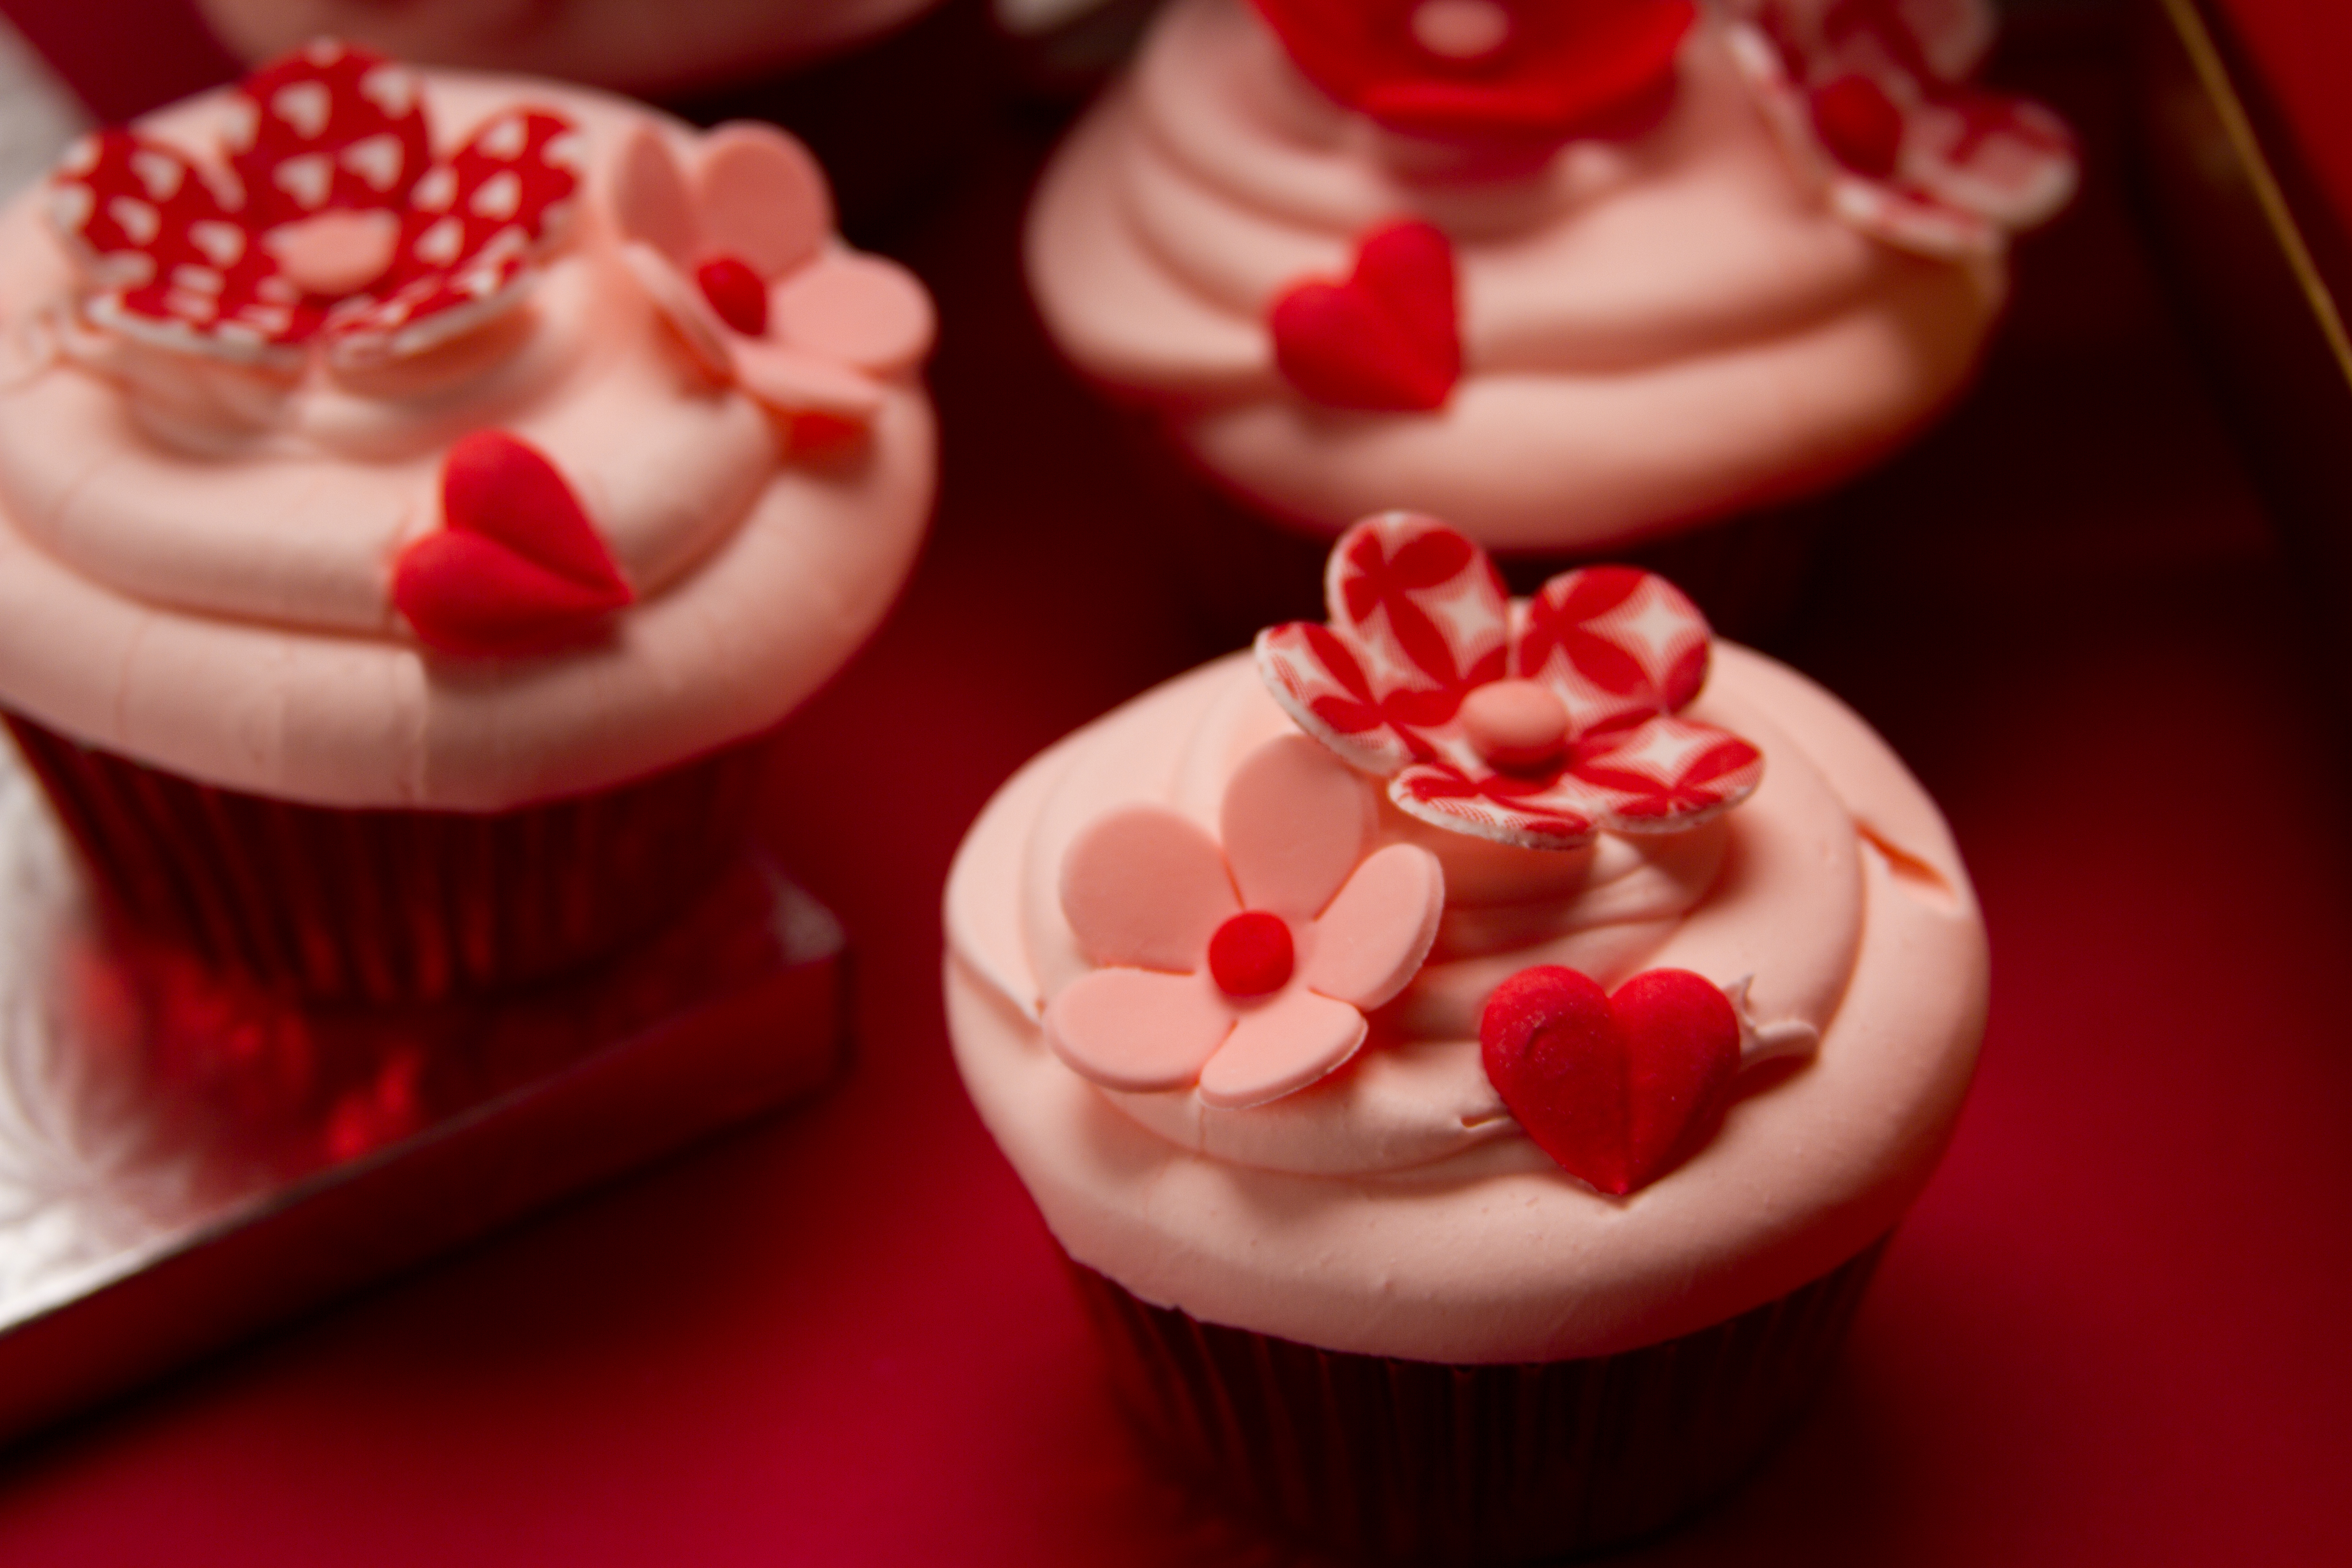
pixel 326 218
pixel 1536 722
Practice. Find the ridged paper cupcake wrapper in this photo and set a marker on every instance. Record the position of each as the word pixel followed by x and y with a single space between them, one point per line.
pixel 1422 1461
pixel 390 906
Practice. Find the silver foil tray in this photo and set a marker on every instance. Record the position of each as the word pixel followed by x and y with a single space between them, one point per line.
pixel 185 1160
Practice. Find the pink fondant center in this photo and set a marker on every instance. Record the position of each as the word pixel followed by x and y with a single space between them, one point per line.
pixel 1461 29
pixel 335 253
pixel 739 294
pixel 1516 724
pixel 1251 955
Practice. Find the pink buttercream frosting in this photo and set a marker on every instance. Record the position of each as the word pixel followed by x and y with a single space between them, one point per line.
pixel 197 555
pixel 1654 331
pixel 1395 1207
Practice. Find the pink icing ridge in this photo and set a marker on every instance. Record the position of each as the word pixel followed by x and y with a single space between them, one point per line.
pixel 1655 332
pixel 196 574
pixel 1395 1209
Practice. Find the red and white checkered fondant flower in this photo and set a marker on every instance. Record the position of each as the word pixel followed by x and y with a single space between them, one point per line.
pixel 327 219
pixel 1875 97
pixel 1533 721
pixel 1241 964
pixel 1511 71
pixel 738 253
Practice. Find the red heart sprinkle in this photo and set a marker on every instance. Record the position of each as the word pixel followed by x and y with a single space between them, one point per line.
pixel 1609 1085
pixel 517 568
pixel 1386 339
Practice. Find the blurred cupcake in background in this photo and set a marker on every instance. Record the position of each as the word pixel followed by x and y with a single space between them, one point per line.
pixel 420 494
pixel 1578 276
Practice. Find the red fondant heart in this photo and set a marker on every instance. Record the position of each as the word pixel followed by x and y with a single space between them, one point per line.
pixel 517 568
pixel 1609 1085
pixel 1384 340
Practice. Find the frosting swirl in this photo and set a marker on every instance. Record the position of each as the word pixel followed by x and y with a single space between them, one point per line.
pixel 1395 1207
pixel 1654 331
pixel 197 555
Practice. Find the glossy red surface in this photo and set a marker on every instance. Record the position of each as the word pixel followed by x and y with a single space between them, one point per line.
pixel 2299 50
pixel 2114 1331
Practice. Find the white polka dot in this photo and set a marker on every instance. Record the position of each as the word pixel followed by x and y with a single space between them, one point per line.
pixel 304 105
pixel 438 246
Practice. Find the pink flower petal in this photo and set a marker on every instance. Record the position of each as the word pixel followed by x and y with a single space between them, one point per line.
pixel 1662 776
pixel 1146 887
pixel 1446 798
pixel 860 310
pixel 1296 819
pixel 683 306
pixel 1373 938
pixel 1133 1030
pixel 791 382
pixel 651 203
pixel 1613 641
pixel 761 198
pixel 1316 676
pixel 1279 1049
pixel 1421 604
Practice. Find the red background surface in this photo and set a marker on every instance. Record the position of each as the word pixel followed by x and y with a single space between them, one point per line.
pixel 2300 49
pixel 2114 1331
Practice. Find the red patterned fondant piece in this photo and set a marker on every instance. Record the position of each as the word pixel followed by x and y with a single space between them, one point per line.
pixel 329 221
pixel 1877 94
pixel 1534 721
pixel 518 568
pixel 1384 340
pixel 1527 71
pixel 1610 1086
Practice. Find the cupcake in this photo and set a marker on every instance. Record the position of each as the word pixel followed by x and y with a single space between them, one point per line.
pixel 1472 1050
pixel 882 90
pixel 1573 276
pixel 418 496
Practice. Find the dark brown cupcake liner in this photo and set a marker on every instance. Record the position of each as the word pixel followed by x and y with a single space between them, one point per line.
pixel 1379 1456
pixel 393 906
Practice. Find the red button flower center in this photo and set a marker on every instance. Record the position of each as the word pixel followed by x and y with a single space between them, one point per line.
pixel 1251 955
pixel 736 292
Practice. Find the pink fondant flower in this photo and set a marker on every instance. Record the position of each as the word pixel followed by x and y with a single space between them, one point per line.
pixel 329 221
pixel 1876 96
pixel 738 253
pixel 1513 71
pixel 1246 967
pixel 1533 721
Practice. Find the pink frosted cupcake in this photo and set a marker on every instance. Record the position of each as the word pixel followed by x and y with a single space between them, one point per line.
pixel 1473 1051
pixel 417 493
pixel 1572 275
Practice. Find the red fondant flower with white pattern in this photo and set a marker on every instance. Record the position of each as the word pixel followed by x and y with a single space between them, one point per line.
pixel 1512 71
pixel 1875 95
pixel 329 220
pixel 1245 967
pixel 1535 722
pixel 738 252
